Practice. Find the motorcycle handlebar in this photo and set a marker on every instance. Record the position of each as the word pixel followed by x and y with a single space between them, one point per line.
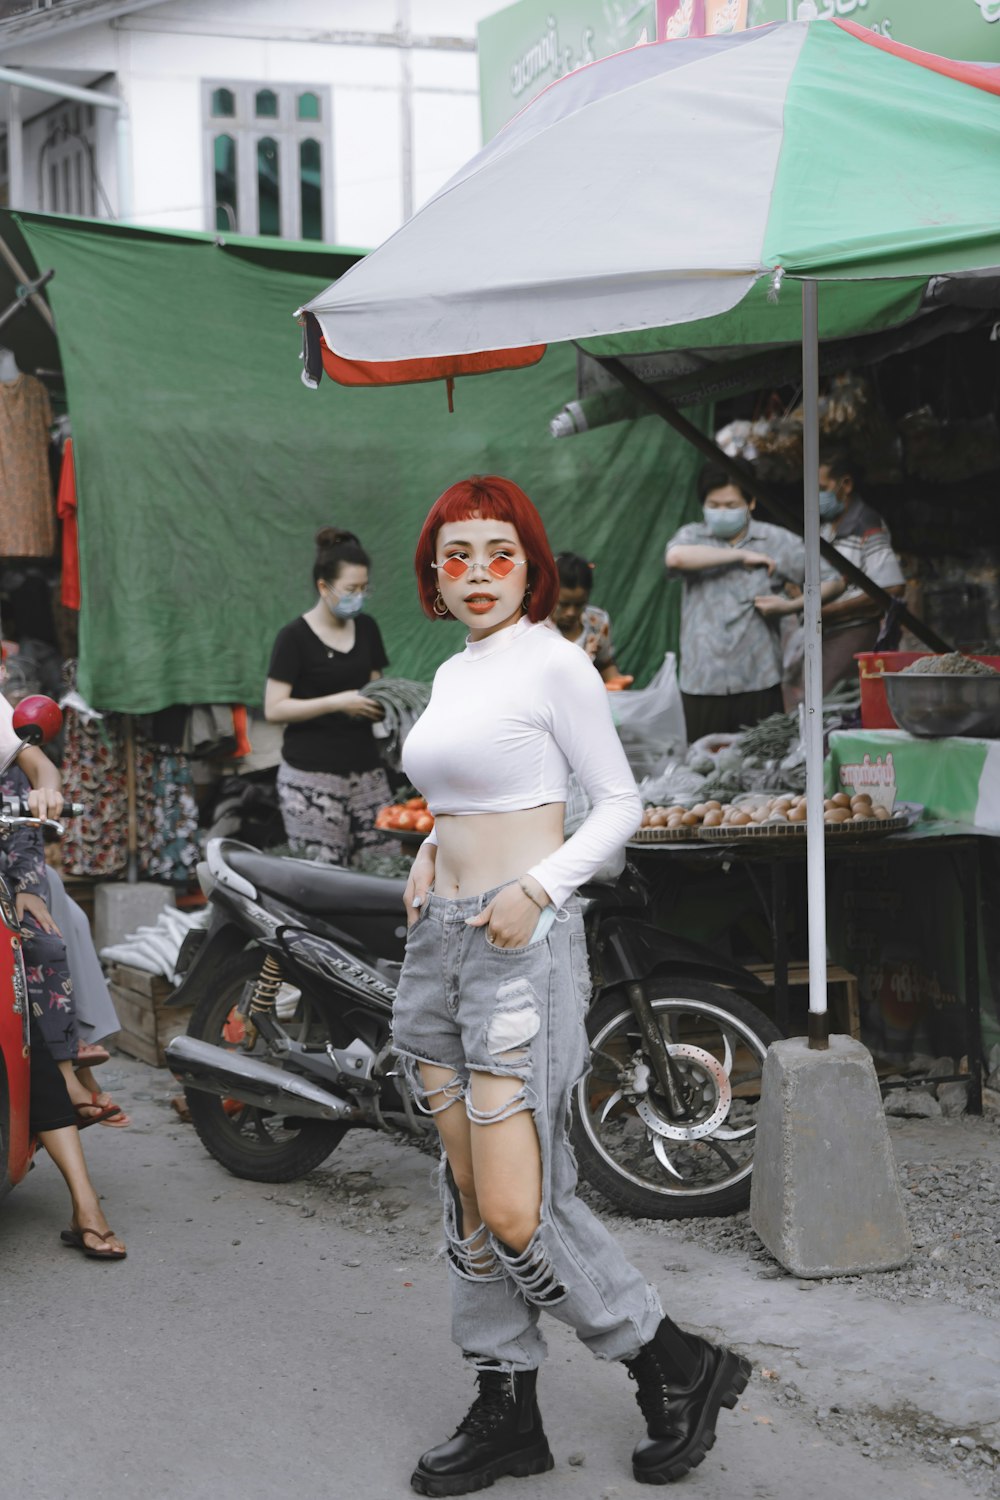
pixel 14 813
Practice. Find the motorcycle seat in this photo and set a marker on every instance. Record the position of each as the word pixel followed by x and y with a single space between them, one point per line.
pixel 320 890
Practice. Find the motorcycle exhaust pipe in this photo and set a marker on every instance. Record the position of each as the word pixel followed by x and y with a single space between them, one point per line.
pixel 233 1075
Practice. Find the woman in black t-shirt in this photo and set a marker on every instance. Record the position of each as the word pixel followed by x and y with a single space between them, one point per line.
pixel 330 782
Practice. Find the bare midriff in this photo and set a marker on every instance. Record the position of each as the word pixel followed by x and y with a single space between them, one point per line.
pixel 483 850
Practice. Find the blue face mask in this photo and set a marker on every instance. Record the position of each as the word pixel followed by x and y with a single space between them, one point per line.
pixel 830 505
pixel 346 608
pixel 724 522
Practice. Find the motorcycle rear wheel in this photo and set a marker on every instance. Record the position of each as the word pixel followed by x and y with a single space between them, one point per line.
pixel 247 1141
pixel 627 1145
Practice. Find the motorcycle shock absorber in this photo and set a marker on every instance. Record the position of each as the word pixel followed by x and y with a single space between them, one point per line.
pixel 263 998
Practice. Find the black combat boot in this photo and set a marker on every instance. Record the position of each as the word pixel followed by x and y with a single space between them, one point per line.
pixel 501 1434
pixel 682 1383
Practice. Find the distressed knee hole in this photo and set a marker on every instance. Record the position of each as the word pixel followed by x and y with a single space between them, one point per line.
pixel 474 1256
pixel 532 1271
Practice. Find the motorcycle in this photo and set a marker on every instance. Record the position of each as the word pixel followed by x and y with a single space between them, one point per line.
pixel 289 1044
pixel 36 720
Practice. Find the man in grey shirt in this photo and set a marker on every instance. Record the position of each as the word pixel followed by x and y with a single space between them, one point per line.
pixel 735 570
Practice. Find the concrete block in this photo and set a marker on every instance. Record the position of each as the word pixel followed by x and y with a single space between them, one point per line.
pixel 825 1196
pixel 119 908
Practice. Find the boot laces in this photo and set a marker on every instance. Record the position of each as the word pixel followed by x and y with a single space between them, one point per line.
pixel 491 1405
pixel 654 1391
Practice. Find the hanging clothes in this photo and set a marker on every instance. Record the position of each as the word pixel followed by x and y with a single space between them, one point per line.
pixel 167 812
pixel 27 515
pixel 66 511
pixel 94 773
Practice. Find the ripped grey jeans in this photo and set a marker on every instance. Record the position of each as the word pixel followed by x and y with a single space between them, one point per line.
pixel 468 1006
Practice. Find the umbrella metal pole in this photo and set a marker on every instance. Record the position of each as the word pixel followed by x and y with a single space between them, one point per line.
pixel 819 1021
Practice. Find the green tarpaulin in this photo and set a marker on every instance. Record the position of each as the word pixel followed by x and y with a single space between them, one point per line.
pixel 204 467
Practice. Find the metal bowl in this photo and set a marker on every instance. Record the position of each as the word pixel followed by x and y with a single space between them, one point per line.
pixel 936 706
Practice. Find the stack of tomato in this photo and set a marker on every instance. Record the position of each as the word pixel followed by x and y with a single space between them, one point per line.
pixel 410 816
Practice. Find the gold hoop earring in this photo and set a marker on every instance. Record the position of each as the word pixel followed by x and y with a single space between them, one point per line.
pixel 524 601
pixel 443 609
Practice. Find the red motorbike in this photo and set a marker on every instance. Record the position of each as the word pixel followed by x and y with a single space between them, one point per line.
pixel 36 720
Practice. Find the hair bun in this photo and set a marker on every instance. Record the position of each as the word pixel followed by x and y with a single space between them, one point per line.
pixel 332 536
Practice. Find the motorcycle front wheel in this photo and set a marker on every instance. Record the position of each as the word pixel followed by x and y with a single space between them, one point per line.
pixel 248 1141
pixel 627 1144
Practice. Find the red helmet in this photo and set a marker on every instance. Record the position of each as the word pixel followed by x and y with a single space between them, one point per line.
pixel 37 719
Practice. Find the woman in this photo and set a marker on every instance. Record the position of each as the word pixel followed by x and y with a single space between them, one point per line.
pixel 489 1020
pixel 330 783
pixel 580 621
pixel 47 972
pixel 56 1122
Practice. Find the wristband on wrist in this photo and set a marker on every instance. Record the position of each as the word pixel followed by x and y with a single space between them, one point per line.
pixel 530 897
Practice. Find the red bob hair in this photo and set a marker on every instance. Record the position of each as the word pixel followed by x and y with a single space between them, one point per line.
pixel 489 498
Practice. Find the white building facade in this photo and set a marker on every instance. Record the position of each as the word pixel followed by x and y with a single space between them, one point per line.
pixel 310 119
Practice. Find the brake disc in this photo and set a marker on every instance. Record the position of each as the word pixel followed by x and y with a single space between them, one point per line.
pixel 713 1072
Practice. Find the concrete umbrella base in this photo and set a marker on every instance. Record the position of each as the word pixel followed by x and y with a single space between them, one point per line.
pixel 825 1196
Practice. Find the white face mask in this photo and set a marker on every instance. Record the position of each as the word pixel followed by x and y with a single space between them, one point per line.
pixel 345 608
pixel 830 505
pixel 723 521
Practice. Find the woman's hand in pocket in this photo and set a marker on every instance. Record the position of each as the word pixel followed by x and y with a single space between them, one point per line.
pixel 510 918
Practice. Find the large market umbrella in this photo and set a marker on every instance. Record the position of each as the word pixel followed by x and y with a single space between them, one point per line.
pixel 659 187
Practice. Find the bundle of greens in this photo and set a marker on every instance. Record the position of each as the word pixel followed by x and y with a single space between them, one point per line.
pixel 402 702
pixel 753 761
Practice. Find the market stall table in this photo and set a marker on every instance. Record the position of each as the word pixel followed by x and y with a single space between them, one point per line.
pixel 767 861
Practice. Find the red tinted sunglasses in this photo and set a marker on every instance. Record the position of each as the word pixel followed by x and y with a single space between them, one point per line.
pixel 500 566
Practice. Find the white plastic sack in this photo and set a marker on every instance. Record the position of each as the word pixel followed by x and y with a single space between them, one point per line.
pixel 650 722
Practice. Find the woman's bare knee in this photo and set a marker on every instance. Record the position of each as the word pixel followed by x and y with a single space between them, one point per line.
pixel 506 1160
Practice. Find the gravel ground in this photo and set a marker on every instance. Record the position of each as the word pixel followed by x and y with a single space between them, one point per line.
pixel 954 1211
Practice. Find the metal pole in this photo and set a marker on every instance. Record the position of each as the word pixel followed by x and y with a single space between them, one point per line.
pixel 406 107
pixel 15 150
pixel 819 1022
pixel 37 300
pixel 123 153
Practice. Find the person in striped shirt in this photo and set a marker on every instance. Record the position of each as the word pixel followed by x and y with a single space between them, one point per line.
pixel 851 621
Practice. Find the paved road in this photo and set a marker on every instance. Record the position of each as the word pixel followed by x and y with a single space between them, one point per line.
pixel 260 1342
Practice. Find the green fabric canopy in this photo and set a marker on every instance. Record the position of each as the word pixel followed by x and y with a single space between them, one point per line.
pixel 204 468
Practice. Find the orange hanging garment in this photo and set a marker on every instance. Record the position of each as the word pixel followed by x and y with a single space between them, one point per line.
pixel 66 511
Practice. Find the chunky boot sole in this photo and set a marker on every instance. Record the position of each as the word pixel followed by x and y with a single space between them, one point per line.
pixel 535 1460
pixel 726 1388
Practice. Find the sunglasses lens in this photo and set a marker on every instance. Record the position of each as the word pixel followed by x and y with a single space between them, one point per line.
pixel 455 567
pixel 502 567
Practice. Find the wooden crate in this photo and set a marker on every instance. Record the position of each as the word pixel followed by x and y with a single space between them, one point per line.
pixel 147 1023
pixel 845 1010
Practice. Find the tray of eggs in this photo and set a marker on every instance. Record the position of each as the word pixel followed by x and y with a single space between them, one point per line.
pixel 765 815
pixel 785 816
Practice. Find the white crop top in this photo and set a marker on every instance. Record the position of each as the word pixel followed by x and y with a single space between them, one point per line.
pixel 508 719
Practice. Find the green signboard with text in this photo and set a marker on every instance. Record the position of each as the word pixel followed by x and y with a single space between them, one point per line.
pixel 526 46
pixel 966 29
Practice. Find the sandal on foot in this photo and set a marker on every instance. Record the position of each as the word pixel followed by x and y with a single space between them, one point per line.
pixel 90 1055
pixel 78 1239
pixel 107 1114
